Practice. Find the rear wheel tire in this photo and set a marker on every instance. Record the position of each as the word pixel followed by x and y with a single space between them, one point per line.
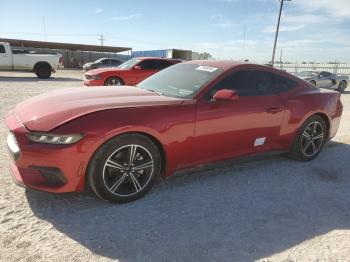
pixel 114 81
pixel 342 86
pixel 310 139
pixel 125 168
pixel 43 71
pixel 312 82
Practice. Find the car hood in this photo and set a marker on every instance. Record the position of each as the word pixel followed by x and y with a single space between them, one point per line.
pixel 50 110
pixel 104 70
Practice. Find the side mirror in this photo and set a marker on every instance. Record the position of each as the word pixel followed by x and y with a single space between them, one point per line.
pixel 226 95
pixel 137 67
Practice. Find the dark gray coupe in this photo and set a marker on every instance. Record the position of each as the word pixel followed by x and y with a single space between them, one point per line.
pixel 325 79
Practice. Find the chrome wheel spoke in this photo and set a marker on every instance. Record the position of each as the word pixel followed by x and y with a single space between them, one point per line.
pixel 320 136
pixel 306 147
pixel 314 149
pixel 115 186
pixel 306 135
pixel 135 182
pixel 314 130
pixel 113 164
pixel 132 153
pixel 144 165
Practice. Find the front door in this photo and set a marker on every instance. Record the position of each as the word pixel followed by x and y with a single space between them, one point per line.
pixel 250 124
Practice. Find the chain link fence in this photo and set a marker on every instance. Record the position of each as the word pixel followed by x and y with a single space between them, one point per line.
pixel 335 68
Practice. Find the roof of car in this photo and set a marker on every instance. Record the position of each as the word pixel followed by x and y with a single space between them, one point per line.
pixel 158 58
pixel 224 64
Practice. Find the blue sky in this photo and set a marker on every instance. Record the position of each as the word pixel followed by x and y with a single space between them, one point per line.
pixel 311 30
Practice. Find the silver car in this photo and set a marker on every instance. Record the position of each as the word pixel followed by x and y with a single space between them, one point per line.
pixel 325 79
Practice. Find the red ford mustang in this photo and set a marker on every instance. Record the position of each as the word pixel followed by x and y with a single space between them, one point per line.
pixel 119 140
pixel 130 73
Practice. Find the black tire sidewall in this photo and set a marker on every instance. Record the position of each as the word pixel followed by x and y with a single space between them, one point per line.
pixel 339 86
pixel 43 71
pixel 95 169
pixel 114 77
pixel 296 151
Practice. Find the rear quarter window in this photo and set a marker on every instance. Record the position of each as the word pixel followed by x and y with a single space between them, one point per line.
pixel 2 49
pixel 284 84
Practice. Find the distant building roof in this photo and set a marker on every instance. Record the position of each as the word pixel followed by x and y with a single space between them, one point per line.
pixel 65 46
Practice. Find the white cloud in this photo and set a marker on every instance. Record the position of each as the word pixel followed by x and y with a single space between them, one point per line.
pixel 286 28
pixel 98 10
pixel 334 8
pixel 219 21
pixel 224 24
pixel 127 17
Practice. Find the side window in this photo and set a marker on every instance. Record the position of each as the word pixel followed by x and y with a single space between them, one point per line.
pixel 149 64
pixel 2 49
pixel 106 61
pixel 115 62
pixel 284 84
pixel 163 64
pixel 247 83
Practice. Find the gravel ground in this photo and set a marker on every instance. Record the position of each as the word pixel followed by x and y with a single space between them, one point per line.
pixel 266 208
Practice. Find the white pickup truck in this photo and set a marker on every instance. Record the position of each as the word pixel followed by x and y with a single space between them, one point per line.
pixel 41 64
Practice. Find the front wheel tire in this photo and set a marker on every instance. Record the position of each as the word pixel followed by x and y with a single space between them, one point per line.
pixel 310 139
pixel 125 168
pixel 312 82
pixel 114 81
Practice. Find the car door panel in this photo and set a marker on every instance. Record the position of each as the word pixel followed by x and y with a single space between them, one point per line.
pixel 229 128
pixel 233 128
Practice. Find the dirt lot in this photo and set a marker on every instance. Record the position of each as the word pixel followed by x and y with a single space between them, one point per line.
pixel 267 208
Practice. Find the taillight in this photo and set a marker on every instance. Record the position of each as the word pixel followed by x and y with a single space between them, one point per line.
pixel 60 60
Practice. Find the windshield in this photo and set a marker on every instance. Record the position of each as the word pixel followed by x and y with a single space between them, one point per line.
pixel 306 73
pixel 181 80
pixel 129 64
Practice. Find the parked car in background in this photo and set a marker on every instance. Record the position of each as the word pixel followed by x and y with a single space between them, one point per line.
pixel 102 63
pixel 131 72
pixel 121 140
pixel 19 60
pixel 325 79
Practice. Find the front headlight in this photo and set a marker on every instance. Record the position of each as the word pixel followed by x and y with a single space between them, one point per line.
pixel 93 77
pixel 54 139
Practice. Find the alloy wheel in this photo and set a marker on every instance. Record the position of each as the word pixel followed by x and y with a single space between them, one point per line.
pixel 114 82
pixel 342 86
pixel 312 139
pixel 128 170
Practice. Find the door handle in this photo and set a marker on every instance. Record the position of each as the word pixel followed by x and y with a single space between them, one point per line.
pixel 274 110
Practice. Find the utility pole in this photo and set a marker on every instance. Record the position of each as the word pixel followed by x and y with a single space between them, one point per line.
pixel 281 56
pixel 277 29
pixel 101 39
